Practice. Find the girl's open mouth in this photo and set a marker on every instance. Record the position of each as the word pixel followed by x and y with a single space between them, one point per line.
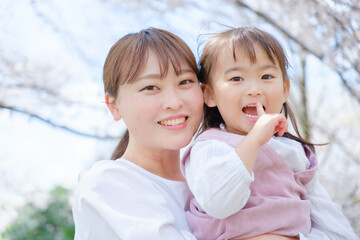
pixel 250 111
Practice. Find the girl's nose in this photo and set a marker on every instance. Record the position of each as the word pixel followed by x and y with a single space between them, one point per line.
pixel 254 89
pixel 172 100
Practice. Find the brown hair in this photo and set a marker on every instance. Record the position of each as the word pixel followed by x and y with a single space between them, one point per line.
pixel 128 57
pixel 244 38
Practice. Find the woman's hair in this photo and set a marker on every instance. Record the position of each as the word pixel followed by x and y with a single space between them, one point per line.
pixel 243 38
pixel 128 57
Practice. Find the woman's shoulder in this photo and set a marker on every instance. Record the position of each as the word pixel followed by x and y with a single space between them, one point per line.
pixel 106 175
pixel 108 169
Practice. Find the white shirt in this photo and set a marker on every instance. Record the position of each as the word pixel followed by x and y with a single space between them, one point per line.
pixel 120 200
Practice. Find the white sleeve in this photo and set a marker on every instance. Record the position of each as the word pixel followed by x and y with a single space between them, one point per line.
pixel 126 209
pixel 217 178
pixel 327 216
pixel 291 151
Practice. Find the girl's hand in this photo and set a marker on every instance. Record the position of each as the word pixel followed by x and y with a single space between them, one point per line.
pixel 267 125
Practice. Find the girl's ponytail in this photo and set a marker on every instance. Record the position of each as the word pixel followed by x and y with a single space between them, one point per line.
pixel 121 147
pixel 289 114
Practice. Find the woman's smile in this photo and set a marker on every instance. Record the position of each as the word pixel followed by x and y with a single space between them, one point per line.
pixel 173 121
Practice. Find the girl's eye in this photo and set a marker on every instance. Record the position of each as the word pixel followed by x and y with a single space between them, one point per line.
pixel 237 79
pixel 187 81
pixel 266 77
pixel 150 88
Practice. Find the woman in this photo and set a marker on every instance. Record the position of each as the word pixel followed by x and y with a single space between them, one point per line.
pixel 150 80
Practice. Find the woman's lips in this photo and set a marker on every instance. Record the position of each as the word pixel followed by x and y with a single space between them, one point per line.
pixel 173 121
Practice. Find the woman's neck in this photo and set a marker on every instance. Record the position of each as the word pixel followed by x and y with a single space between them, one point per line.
pixel 164 163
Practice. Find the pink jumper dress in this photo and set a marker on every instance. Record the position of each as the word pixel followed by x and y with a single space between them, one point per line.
pixel 277 202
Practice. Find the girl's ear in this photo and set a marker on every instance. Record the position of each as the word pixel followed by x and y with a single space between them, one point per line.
pixel 286 88
pixel 208 95
pixel 112 105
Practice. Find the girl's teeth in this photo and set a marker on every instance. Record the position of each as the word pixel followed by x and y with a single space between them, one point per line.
pixel 251 116
pixel 173 122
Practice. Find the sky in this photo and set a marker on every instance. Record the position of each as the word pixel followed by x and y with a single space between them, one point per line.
pixel 70 40
pixel 56 34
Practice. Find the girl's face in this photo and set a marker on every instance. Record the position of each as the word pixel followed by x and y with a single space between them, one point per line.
pixel 236 86
pixel 161 114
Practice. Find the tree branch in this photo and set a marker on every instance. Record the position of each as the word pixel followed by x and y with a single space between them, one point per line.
pixel 338 142
pixel 303 46
pixel 68 37
pixel 51 123
pixel 281 29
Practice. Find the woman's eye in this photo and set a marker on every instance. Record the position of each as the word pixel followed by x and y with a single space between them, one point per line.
pixel 266 76
pixel 187 81
pixel 237 79
pixel 150 88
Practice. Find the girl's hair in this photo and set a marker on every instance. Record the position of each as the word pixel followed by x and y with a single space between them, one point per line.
pixel 128 57
pixel 243 38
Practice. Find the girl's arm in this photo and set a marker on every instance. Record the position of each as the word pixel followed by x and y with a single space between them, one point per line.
pixel 217 178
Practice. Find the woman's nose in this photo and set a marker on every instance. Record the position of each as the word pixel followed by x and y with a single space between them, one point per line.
pixel 172 99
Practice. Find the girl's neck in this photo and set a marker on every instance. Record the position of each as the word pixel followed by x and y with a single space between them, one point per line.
pixel 164 163
pixel 234 131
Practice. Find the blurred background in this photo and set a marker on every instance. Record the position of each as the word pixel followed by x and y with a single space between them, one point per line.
pixel 54 123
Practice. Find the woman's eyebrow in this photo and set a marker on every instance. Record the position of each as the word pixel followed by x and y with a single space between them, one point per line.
pixel 187 71
pixel 150 76
pixel 241 69
pixel 157 76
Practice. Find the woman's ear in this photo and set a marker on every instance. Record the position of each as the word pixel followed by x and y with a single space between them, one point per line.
pixel 112 105
pixel 208 95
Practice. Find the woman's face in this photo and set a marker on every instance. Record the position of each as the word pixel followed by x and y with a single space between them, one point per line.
pixel 161 114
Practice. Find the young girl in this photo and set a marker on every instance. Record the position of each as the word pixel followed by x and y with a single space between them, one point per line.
pixel 150 80
pixel 249 176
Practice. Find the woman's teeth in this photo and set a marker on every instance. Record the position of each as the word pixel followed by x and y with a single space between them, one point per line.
pixel 173 122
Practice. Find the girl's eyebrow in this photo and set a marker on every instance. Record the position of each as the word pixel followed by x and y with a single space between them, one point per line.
pixel 234 69
pixel 238 68
pixel 267 66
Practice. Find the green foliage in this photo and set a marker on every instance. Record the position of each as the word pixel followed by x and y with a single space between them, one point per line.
pixel 55 222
